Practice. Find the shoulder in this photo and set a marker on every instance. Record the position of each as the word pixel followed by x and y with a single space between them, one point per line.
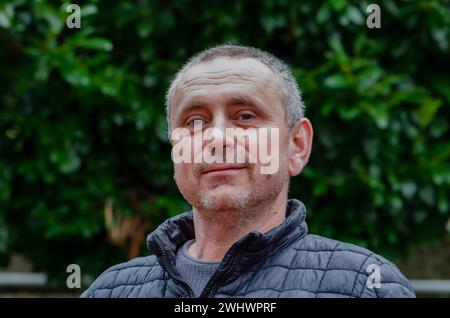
pixel 351 269
pixel 137 271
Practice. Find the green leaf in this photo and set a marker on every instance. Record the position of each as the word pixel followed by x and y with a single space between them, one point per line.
pixel 408 189
pixel 368 78
pixel 336 81
pixel 427 111
pixel 354 15
pixel 88 10
pixel 6 15
pixel 71 163
pixel 99 44
pixel 75 75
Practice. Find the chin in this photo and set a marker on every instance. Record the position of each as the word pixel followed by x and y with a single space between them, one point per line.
pixel 221 199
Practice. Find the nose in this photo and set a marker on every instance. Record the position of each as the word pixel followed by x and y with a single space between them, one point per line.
pixel 219 142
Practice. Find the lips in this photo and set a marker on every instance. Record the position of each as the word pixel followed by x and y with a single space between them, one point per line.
pixel 224 168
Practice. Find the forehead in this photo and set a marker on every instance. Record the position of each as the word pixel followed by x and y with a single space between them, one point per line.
pixel 223 73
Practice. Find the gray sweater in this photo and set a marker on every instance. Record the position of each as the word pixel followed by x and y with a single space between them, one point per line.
pixel 195 272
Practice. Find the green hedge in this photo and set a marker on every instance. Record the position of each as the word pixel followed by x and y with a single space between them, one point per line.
pixel 82 117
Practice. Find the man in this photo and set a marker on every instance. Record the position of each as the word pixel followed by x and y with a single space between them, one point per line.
pixel 243 237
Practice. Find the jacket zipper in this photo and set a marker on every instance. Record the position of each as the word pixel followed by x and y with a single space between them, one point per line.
pixel 213 289
pixel 230 269
pixel 170 271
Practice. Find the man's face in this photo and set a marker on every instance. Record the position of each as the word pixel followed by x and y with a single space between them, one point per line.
pixel 230 93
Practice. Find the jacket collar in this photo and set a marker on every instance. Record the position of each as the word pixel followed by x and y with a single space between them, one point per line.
pixel 251 248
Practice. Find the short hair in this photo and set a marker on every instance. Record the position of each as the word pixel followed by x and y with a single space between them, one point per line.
pixel 290 93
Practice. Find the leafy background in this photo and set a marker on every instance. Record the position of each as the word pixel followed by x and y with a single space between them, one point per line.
pixel 82 118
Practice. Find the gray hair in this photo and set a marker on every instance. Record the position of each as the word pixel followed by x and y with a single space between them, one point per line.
pixel 290 93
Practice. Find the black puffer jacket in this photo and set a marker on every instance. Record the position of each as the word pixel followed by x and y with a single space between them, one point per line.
pixel 284 262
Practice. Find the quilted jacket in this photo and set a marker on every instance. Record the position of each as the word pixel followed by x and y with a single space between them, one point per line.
pixel 284 262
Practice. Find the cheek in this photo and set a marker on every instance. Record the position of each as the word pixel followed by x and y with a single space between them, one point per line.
pixel 182 178
pixel 284 155
pixel 182 170
pixel 185 175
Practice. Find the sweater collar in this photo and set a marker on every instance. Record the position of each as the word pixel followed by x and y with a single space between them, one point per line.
pixel 253 247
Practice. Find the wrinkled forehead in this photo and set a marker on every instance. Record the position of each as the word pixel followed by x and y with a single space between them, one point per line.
pixel 225 70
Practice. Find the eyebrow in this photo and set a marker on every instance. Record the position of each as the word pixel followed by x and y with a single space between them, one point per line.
pixel 244 100
pixel 188 106
pixel 232 101
pixel 241 100
pixel 191 105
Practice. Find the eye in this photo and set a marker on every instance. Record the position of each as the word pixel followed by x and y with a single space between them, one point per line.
pixel 196 122
pixel 246 116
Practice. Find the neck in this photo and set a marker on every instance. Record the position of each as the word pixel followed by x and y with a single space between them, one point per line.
pixel 216 232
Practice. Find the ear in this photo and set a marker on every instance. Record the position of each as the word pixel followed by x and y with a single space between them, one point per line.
pixel 300 143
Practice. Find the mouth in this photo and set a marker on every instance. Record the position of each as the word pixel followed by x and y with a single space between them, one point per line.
pixel 224 169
